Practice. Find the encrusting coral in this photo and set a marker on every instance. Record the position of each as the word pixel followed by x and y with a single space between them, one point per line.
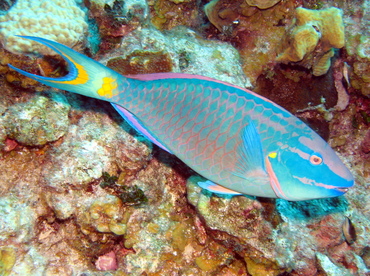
pixel 262 4
pixel 61 20
pixel 7 260
pixel 256 33
pixel 312 39
pixel 39 121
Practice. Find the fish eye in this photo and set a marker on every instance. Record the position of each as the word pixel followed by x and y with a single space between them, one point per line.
pixel 315 159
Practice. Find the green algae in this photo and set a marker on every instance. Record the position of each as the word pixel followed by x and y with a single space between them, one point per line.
pixel 133 196
pixel 130 195
pixel 108 180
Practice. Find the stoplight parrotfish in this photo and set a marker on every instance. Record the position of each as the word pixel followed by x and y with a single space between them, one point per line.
pixel 241 142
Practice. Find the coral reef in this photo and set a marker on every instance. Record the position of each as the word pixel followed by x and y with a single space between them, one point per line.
pixel 358 45
pixel 107 262
pixel 7 260
pixel 167 14
pixel 115 19
pixel 244 221
pixel 256 33
pixel 62 21
pixel 262 4
pixel 183 51
pixel 37 122
pixel 281 238
pixel 86 152
pixel 312 40
pixel 140 62
pixel 81 193
pixel 17 220
pixel 104 215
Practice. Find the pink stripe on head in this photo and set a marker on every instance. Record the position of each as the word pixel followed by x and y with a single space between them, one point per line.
pixel 330 158
pixel 274 182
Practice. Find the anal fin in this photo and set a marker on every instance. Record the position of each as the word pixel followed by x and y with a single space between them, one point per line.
pixel 217 189
pixel 138 126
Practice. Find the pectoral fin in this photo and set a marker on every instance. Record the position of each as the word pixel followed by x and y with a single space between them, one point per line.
pixel 251 162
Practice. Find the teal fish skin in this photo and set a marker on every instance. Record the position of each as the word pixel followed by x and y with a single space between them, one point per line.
pixel 202 121
pixel 202 126
pixel 229 135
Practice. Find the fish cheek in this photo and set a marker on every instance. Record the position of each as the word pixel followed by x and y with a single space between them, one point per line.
pixel 282 182
pixel 297 177
pixel 279 169
pixel 294 168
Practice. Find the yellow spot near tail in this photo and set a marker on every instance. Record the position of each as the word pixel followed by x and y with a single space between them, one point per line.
pixel 109 84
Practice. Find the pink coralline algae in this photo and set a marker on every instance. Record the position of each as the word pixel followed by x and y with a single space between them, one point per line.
pixel 107 262
pixel 339 75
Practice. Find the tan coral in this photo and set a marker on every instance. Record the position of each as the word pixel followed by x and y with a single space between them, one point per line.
pixel 322 65
pixel 329 22
pixel 262 4
pixel 60 20
pixel 108 216
pixel 257 33
pixel 304 40
pixel 312 40
pixel 8 257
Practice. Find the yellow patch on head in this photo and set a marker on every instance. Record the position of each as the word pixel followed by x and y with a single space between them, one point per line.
pixel 109 84
pixel 272 154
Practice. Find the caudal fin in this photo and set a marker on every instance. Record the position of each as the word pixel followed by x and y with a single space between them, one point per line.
pixel 86 76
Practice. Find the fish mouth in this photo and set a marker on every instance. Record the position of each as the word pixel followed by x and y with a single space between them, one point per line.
pixel 342 190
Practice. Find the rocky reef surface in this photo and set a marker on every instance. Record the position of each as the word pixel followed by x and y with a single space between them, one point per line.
pixel 81 193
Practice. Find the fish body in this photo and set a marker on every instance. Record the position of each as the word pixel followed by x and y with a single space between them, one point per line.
pixel 241 142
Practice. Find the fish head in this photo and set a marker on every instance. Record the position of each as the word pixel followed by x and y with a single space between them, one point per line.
pixel 306 167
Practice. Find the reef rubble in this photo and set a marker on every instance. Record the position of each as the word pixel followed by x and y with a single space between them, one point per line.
pixel 81 193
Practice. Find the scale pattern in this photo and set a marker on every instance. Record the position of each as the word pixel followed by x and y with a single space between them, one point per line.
pixel 201 123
